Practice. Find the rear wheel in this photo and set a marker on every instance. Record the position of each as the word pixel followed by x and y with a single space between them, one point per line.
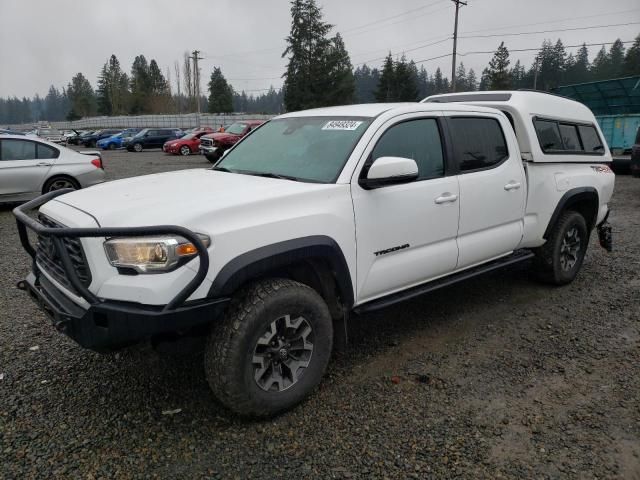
pixel 271 349
pixel 559 260
pixel 185 150
pixel 58 183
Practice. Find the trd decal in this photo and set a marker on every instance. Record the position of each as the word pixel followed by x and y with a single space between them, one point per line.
pixel 390 250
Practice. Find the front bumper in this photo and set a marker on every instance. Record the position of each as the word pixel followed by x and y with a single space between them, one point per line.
pixel 107 324
pixel 206 150
pixel 110 325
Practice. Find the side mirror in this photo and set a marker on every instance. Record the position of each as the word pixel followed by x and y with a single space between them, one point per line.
pixel 389 171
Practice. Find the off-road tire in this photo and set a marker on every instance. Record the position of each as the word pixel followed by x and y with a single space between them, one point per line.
pixel 548 262
pixel 229 353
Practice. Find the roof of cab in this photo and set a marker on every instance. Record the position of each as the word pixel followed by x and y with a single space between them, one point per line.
pixel 372 110
pixel 533 102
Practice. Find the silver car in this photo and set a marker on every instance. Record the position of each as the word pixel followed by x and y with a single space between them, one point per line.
pixel 31 166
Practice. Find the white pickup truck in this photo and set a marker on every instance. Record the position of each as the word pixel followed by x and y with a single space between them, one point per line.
pixel 315 215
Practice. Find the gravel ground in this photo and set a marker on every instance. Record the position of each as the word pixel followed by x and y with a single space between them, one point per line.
pixel 496 377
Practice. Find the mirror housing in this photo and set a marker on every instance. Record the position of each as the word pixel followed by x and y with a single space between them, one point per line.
pixel 389 171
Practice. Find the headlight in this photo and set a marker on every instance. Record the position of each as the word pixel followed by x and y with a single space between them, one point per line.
pixel 151 254
pixel 174 144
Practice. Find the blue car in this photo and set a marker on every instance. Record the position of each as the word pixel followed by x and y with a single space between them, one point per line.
pixel 117 140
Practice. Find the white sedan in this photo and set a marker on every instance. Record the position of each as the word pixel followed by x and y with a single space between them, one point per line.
pixel 30 167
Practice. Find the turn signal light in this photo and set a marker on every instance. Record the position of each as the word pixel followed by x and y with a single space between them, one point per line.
pixel 97 162
pixel 186 249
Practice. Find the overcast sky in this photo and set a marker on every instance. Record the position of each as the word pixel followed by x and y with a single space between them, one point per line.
pixel 44 42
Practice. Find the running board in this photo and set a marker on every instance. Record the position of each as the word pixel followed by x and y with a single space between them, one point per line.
pixel 516 257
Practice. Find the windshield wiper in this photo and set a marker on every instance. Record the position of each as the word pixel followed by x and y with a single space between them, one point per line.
pixel 271 175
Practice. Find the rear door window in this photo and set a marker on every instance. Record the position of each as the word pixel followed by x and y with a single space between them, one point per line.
pixel 478 143
pixel 45 151
pixel 17 150
pixel 590 139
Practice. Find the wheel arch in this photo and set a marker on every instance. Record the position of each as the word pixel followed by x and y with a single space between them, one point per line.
pixel 314 260
pixel 54 176
pixel 584 200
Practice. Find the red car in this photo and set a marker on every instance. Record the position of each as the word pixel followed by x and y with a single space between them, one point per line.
pixel 186 145
pixel 215 144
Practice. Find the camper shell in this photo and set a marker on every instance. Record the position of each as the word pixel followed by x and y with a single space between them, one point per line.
pixel 530 111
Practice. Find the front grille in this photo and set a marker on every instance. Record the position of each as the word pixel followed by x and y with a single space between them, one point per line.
pixel 206 142
pixel 48 259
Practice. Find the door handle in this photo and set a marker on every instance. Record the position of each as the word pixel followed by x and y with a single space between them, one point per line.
pixel 446 198
pixel 512 186
pixel 43 164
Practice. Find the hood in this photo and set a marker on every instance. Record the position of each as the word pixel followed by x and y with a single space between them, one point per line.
pixel 222 136
pixel 187 197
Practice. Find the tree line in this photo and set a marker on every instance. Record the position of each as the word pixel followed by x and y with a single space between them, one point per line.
pixel 319 73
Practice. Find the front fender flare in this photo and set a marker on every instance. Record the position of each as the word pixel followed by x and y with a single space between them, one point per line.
pixel 254 263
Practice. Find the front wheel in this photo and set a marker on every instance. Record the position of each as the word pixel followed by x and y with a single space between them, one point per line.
pixel 185 150
pixel 112 146
pixel 271 349
pixel 559 260
pixel 137 147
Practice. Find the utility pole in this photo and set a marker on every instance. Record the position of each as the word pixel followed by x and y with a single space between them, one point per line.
pixel 196 78
pixel 535 75
pixel 455 44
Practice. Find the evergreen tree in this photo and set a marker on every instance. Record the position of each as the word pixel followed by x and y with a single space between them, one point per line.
pixel 499 69
pixel 439 83
pixel 306 77
pixel 485 80
pixel 578 71
pixel 366 81
pixel 631 65
pixel 600 67
pixel 81 96
pixel 517 76
pixel 113 88
pixel 220 93
pixel 461 78
pixel 616 59
pixel 386 89
pixel 406 81
pixel 471 81
pixel 160 101
pixel 53 105
pixel 140 85
pixel 341 88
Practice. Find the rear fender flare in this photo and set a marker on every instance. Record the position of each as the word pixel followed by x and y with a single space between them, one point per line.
pixel 572 197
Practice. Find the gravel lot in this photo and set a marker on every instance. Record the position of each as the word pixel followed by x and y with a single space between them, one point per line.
pixel 496 377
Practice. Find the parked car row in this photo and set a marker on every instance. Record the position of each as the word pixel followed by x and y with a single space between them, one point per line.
pixel 203 140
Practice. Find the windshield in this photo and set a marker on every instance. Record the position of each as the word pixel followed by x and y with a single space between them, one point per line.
pixel 141 133
pixel 236 128
pixel 188 136
pixel 311 149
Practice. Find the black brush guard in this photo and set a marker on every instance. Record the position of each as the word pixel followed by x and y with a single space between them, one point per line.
pixel 108 323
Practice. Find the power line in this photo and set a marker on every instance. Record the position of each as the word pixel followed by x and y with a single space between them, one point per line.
pixel 518 50
pixel 559 20
pixel 406 51
pixel 549 31
pixel 391 18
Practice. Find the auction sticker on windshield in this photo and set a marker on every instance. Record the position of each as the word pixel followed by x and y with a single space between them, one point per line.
pixel 342 125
